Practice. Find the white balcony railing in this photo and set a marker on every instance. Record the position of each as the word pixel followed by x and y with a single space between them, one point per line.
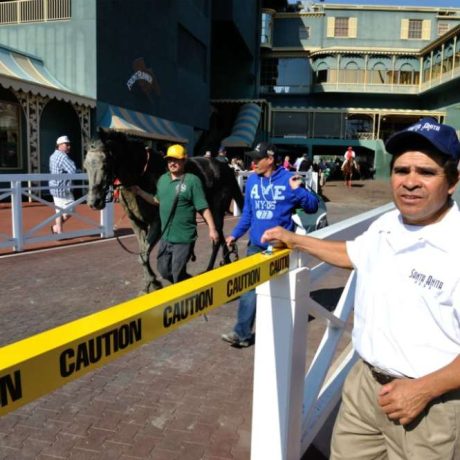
pixel 23 11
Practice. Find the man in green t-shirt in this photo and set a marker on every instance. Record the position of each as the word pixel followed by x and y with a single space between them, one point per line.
pixel 178 228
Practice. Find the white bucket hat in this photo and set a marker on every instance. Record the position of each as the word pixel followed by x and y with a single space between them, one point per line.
pixel 62 140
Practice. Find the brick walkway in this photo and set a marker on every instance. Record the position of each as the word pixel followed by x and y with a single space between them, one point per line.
pixel 187 395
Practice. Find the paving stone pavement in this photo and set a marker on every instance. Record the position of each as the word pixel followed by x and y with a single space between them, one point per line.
pixel 187 395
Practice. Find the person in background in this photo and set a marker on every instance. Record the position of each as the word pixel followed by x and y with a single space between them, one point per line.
pixel 287 163
pixel 401 400
pixel 306 164
pixel 324 171
pixel 208 154
pixel 235 165
pixel 298 161
pixel 271 196
pixel 240 163
pixel 349 154
pixel 222 155
pixel 178 223
pixel 61 163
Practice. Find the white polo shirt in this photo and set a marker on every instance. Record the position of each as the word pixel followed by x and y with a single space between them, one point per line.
pixel 407 302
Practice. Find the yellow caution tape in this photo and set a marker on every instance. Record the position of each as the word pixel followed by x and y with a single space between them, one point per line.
pixel 39 364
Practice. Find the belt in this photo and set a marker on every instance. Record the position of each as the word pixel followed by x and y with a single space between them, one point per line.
pixel 379 376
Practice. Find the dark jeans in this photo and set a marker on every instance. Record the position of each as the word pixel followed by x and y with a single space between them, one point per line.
pixel 247 306
pixel 172 260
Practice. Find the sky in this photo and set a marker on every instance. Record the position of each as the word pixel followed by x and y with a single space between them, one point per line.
pixel 434 3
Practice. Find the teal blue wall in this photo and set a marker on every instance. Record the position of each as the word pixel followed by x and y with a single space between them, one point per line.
pixel 380 29
pixel 66 47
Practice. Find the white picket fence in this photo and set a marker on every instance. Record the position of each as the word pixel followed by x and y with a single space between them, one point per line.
pixel 29 188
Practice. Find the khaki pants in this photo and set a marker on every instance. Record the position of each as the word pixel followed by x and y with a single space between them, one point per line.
pixel 363 431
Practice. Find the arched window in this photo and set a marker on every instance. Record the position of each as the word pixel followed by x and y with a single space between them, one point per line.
pixel 379 74
pixel 321 73
pixel 437 65
pixel 407 75
pixel 426 69
pixel 352 73
pixel 358 126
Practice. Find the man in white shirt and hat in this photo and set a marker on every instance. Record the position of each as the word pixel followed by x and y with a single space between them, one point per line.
pixel 401 400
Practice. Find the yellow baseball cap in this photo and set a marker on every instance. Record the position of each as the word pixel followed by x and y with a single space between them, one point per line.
pixel 176 151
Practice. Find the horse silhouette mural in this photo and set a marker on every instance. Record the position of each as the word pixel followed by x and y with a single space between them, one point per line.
pixel 117 155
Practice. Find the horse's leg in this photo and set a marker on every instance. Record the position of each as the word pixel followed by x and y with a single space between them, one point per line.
pixel 146 235
pixel 218 214
pixel 215 251
pixel 151 282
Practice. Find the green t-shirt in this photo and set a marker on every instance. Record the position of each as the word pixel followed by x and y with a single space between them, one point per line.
pixel 182 226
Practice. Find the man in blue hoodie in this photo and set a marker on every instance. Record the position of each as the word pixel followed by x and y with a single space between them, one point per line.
pixel 272 194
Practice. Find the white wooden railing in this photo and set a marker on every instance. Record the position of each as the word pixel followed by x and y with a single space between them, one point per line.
pixel 20 11
pixel 290 406
pixel 28 187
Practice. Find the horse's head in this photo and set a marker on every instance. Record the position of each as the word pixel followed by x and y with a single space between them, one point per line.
pixel 98 166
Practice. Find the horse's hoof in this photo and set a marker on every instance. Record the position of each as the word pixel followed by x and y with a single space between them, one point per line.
pixel 153 286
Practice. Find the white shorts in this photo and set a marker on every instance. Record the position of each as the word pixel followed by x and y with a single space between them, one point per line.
pixel 61 203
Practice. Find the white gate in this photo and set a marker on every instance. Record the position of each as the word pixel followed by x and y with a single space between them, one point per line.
pixel 28 188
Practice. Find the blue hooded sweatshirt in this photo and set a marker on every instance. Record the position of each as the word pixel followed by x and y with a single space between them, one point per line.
pixel 270 201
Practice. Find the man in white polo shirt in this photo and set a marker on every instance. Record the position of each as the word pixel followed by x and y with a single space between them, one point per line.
pixel 402 398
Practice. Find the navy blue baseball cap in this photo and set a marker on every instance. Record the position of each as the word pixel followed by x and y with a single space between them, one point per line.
pixel 442 137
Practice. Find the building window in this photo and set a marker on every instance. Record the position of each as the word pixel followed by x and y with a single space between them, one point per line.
pixel 9 135
pixel 321 75
pixel 341 27
pixel 267 29
pixel 406 75
pixel 191 53
pixel 290 124
pixel 443 27
pixel 358 126
pixel 352 73
pixel 415 28
pixel 285 75
pixel 328 125
pixel 304 33
pixel 378 75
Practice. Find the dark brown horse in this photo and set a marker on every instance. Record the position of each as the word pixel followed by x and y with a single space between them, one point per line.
pixel 348 168
pixel 115 155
